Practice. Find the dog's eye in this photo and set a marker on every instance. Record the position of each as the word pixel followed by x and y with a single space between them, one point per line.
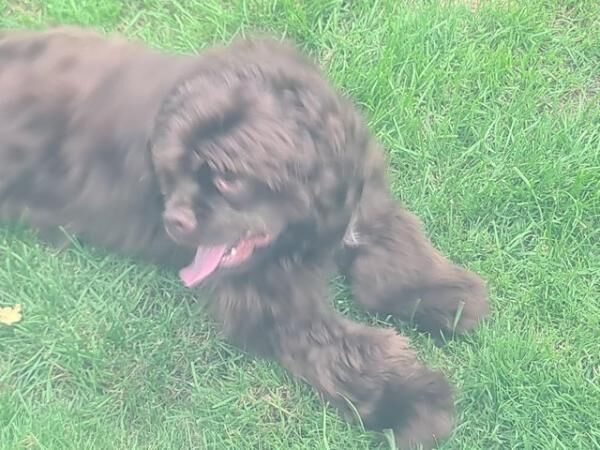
pixel 227 184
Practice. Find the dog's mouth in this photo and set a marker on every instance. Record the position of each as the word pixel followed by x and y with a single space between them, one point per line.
pixel 210 259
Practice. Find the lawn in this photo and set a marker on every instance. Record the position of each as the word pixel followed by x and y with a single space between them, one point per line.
pixel 491 118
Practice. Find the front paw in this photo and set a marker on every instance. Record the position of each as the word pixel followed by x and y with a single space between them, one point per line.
pixel 452 304
pixel 419 409
pixel 395 391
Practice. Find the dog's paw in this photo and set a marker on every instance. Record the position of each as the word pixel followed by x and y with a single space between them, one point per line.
pixel 419 410
pixel 393 390
pixel 451 305
pixel 431 418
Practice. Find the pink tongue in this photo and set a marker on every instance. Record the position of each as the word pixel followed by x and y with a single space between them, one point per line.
pixel 206 261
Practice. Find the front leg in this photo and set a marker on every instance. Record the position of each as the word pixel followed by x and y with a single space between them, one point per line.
pixel 394 269
pixel 372 369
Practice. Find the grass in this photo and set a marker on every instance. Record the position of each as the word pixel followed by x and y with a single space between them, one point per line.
pixel 491 118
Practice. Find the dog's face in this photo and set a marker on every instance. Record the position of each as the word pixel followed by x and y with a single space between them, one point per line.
pixel 231 219
pixel 251 170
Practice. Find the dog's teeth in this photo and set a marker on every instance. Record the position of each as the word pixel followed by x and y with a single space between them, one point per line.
pixel 233 251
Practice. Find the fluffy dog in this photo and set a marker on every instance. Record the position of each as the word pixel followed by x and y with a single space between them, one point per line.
pixel 242 168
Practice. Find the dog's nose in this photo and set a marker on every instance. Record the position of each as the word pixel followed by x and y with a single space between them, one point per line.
pixel 180 222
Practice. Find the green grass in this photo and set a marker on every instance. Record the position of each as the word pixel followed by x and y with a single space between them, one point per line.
pixel 492 123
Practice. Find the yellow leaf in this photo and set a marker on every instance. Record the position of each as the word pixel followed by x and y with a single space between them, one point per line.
pixel 10 314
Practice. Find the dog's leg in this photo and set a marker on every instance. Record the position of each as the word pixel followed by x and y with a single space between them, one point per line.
pixel 394 269
pixel 359 369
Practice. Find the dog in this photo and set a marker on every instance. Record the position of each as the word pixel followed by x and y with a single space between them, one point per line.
pixel 245 170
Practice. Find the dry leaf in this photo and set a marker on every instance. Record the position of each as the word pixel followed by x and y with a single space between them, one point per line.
pixel 10 314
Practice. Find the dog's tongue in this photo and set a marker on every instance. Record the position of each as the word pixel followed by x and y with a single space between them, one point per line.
pixel 207 259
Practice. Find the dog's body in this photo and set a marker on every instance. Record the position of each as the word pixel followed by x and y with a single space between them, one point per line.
pixel 245 161
pixel 73 146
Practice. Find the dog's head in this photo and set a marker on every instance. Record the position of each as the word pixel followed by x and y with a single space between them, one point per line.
pixel 258 159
